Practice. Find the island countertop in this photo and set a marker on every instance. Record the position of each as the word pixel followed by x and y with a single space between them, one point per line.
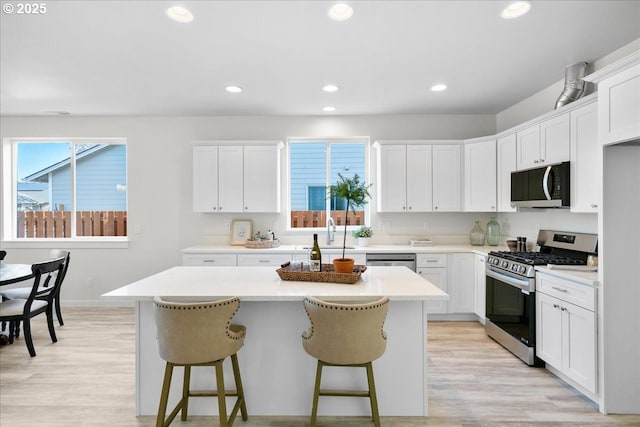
pixel 264 284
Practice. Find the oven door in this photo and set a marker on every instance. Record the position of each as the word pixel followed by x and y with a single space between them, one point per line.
pixel 511 309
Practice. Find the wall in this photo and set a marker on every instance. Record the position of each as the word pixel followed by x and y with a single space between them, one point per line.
pixel 544 101
pixel 160 219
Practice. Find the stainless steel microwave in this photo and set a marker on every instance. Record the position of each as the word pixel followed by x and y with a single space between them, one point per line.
pixel 544 187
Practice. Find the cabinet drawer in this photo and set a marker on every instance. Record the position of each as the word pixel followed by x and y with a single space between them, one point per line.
pixel 275 260
pixel 581 295
pixel 431 260
pixel 213 260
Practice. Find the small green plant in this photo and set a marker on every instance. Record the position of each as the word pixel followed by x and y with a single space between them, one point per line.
pixel 354 193
pixel 363 231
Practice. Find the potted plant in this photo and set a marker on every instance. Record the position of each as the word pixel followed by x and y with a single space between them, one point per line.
pixel 355 194
pixel 363 234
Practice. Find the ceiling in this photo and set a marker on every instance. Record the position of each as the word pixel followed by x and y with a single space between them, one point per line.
pixel 128 58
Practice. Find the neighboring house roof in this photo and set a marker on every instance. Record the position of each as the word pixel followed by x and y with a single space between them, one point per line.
pixel 23 199
pixel 32 186
pixel 64 163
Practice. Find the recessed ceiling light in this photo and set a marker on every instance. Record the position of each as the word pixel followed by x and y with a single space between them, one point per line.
pixel 329 109
pixel 516 9
pixel 233 89
pixel 439 87
pixel 180 14
pixel 330 88
pixel 340 12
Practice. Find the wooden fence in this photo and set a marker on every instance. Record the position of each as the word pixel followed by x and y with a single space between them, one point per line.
pixel 301 219
pixel 50 224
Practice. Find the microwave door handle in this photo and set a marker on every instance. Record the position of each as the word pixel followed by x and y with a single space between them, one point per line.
pixel 545 183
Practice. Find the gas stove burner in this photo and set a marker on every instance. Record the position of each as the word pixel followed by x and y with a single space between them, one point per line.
pixel 538 258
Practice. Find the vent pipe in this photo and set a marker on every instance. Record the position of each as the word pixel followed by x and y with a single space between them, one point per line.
pixel 574 86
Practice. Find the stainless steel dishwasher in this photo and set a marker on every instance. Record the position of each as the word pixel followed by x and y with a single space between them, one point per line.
pixel 408 260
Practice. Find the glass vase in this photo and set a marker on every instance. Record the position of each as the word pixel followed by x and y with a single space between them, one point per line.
pixel 493 232
pixel 477 235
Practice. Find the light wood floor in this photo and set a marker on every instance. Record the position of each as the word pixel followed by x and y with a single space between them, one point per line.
pixel 87 379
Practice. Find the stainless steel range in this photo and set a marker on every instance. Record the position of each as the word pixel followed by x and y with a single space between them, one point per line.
pixel 511 285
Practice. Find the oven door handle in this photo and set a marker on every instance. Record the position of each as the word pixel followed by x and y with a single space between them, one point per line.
pixel 523 285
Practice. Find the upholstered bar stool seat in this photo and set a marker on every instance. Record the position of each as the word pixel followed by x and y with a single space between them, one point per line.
pixel 347 335
pixel 199 334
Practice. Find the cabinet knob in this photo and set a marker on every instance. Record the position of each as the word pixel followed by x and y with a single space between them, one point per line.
pixel 556 306
pixel 220 208
pixel 541 160
pixel 409 207
pixel 404 208
pixel 435 208
pixel 536 161
pixel 245 208
pixel 214 208
pixel 563 308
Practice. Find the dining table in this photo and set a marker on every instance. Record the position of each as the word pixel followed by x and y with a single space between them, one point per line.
pixel 14 273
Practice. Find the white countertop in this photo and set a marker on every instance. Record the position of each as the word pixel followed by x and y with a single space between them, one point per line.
pixel 264 284
pixel 439 248
pixel 589 278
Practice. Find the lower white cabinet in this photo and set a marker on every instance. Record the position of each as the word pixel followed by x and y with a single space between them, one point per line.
pixel 433 267
pixel 211 260
pixel 566 333
pixel 481 287
pixel 262 260
pixel 462 287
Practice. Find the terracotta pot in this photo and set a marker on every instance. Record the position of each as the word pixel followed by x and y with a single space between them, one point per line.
pixel 343 265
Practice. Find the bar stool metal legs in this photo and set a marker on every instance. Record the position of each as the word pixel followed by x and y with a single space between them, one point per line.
pixel 220 392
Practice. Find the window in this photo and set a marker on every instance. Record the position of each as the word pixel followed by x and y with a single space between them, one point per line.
pixel 314 165
pixel 65 188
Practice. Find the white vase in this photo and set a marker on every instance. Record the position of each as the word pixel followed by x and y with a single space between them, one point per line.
pixel 363 241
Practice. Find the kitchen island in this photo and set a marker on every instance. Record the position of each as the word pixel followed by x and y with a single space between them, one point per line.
pixel 277 374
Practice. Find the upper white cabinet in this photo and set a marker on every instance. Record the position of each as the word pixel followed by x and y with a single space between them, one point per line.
pixel 506 163
pixel 419 177
pixel 544 143
pixel 404 178
pixel 585 159
pixel 236 178
pixel 618 100
pixel 480 176
pixel 447 178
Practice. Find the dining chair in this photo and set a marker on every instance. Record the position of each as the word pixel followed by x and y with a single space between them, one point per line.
pixel 23 292
pixel 39 300
pixel 199 334
pixel 2 255
pixel 346 334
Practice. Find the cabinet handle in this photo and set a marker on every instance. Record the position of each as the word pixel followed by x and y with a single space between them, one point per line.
pixel 556 306
pixel 208 260
pixel 481 259
pixel 263 261
pixel 559 289
pixel 432 260
pixel 541 160
pixel 536 161
pixel 594 205
pixel 563 308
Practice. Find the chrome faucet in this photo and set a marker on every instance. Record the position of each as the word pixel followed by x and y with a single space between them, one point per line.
pixel 331 230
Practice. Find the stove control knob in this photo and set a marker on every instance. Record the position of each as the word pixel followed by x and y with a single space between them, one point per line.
pixel 504 264
pixel 522 269
pixel 514 267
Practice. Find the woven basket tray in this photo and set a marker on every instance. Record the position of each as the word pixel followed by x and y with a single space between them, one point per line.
pixel 261 244
pixel 326 275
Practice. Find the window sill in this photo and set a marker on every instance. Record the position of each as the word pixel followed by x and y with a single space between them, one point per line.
pixel 77 243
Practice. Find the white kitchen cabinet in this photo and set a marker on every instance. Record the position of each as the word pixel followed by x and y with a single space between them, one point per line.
pixel 447 178
pixel 236 178
pixel 480 176
pixel 586 159
pixel 462 287
pixel 506 163
pixel 544 143
pixel 618 100
pixel 433 267
pixel 481 287
pixel 404 177
pixel 210 260
pixel 264 260
pixel 566 329
pixel 261 178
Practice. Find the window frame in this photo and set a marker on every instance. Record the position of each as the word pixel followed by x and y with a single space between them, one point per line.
pixel 9 201
pixel 365 140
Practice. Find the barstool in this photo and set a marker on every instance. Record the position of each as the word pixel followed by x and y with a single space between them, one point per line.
pixel 348 335
pixel 199 334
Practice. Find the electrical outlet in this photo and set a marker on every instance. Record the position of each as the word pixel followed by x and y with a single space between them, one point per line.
pixel 227 226
pixel 426 225
pixel 137 229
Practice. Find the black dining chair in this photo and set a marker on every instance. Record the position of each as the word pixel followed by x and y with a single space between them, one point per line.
pixel 2 255
pixel 40 300
pixel 23 293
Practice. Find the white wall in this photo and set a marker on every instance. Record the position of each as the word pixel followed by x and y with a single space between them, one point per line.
pixel 159 185
pixel 545 100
